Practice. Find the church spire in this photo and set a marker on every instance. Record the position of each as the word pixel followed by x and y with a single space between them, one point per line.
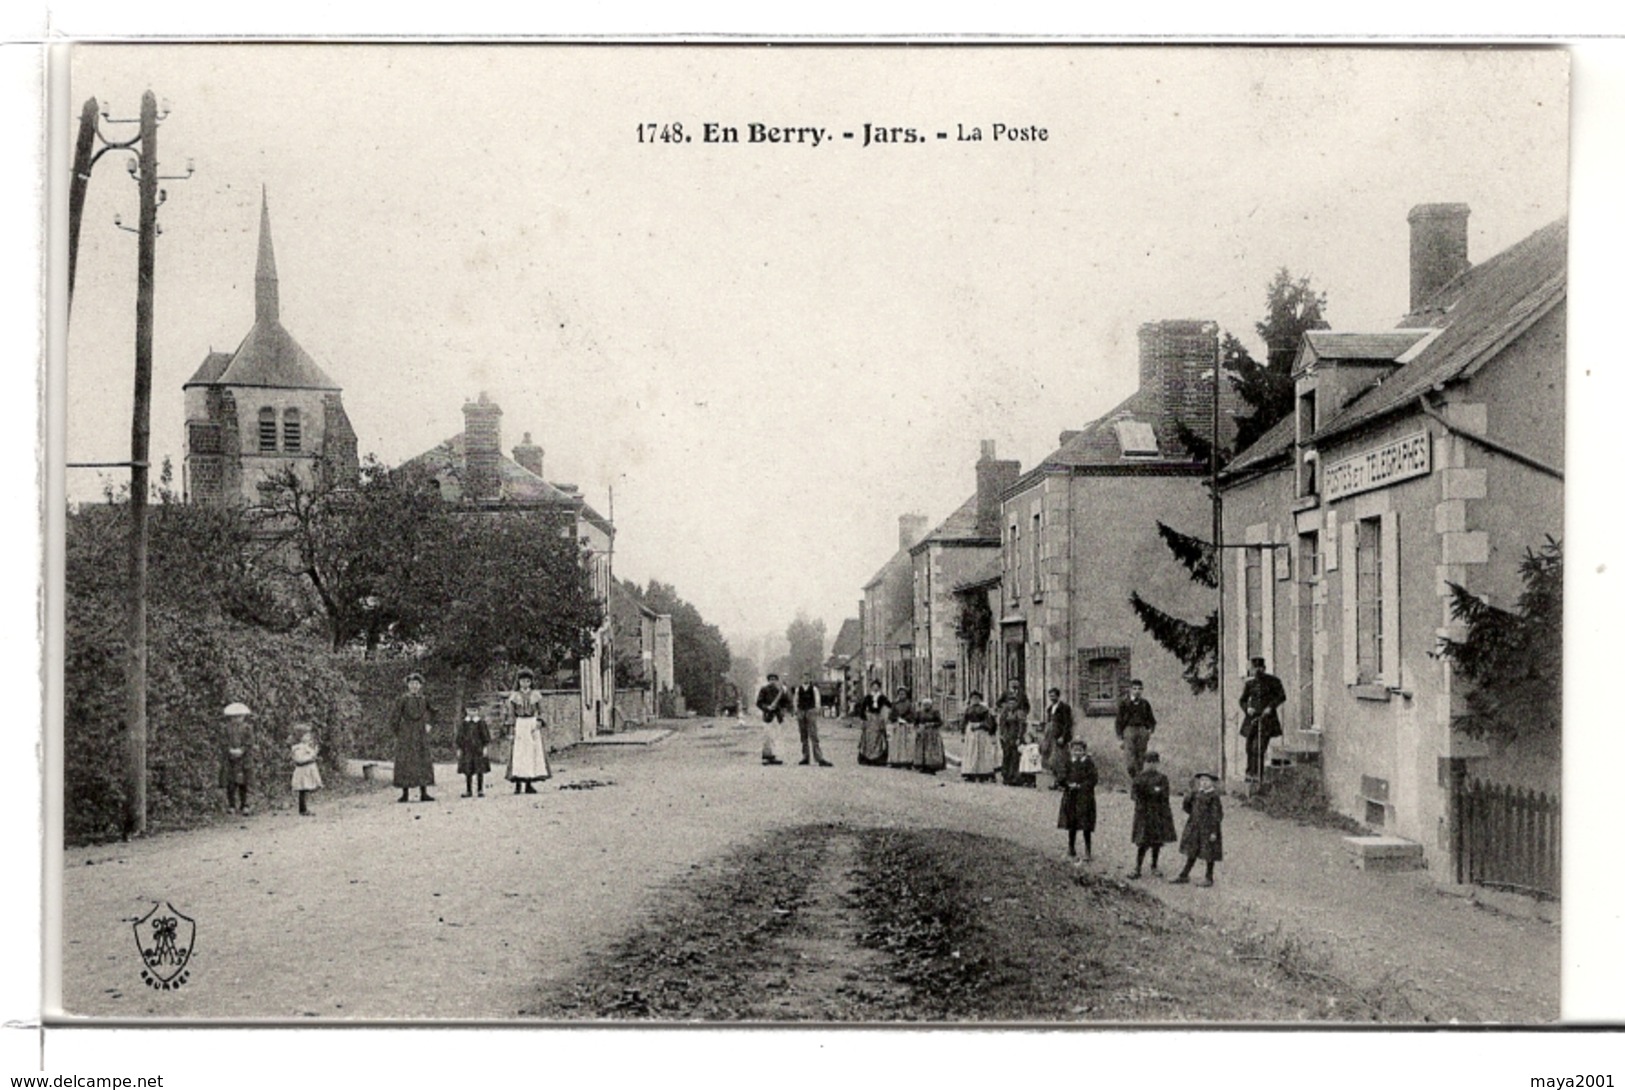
pixel 265 294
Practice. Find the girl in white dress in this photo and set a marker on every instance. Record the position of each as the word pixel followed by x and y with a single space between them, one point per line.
pixel 523 711
pixel 306 776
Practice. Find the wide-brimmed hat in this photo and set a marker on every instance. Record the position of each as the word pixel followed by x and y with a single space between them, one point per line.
pixel 414 676
pixel 237 709
pixel 1205 776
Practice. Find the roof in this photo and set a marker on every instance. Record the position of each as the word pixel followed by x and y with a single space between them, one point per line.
pixel 210 370
pixel 957 527
pixel 989 570
pixel 1390 347
pixel 1478 313
pixel 848 641
pixel 897 565
pixel 1273 444
pixel 1100 444
pixel 518 485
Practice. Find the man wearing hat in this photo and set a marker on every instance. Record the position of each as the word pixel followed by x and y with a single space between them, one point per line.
pixel 773 701
pixel 1262 694
pixel 410 720
pixel 236 753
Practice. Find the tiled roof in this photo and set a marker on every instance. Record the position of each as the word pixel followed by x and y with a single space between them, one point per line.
pixel 210 370
pixel 899 564
pixel 518 484
pixel 1273 444
pixel 1478 313
pixel 269 356
pixel 1100 443
pixel 989 570
pixel 959 526
pixel 849 640
pixel 1330 344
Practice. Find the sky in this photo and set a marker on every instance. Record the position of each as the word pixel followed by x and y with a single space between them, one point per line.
pixel 769 351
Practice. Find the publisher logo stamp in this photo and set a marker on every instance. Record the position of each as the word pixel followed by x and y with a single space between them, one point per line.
pixel 165 936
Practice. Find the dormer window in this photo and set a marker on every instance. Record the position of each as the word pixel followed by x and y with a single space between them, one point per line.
pixel 1136 439
pixel 291 437
pixel 267 430
pixel 1308 418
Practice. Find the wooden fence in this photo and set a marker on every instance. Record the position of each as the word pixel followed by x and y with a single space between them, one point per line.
pixel 1508 838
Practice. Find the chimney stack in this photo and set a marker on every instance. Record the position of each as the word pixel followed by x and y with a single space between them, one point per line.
pixel 1438 248
pixel 910 528
pixel 529 455
pixel 993 476
pixel 482 449
pixel 1176 372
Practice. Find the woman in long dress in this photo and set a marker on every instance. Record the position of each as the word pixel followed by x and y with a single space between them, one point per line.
pixel 928 754
pixel 523 711
pixel 980 757
pixel 900 731
pixel 410 720
pixel 875 711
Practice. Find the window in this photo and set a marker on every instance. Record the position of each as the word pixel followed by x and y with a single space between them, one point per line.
pixel 267 429
pixel 1254 591
pixel 1015 560
pixel 1368 600
pixel 1038 573
pixel 1104 676
pixel 290 430
pixel 1307 460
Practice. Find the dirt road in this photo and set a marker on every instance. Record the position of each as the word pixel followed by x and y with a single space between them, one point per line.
pixel 466 908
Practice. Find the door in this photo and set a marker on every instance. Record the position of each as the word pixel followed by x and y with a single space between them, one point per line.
pixel 1308 576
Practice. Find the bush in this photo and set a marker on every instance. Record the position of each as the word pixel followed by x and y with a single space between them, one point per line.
pixel 196 666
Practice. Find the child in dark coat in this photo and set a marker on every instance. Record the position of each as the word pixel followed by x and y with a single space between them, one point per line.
pixel 1153 816
pixel 1203 837
pixel 472 738
pixel 1078 799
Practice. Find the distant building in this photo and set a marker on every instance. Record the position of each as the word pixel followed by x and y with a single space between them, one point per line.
pixel 472 472
pixel 262 408
pixel 1418 457
pixel 1079 536
pixel 887 613
pixel 845 662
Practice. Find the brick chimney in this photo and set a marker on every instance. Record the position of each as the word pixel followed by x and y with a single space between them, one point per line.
pixel 482 449
pixel 910 528
pixel 1176 373
pixel 529 455
pixel 993 476
pixel 1438 248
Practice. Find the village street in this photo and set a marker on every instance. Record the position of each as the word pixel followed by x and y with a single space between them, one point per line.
pixel 472 908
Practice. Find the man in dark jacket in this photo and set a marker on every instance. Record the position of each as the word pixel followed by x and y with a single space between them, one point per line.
pixel 1135 722
pixel 1057 741
pixel 773 701
pixel 1262 694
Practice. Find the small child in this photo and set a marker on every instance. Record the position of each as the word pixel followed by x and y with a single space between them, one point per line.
pixel 306 776
pixel 1203 837
pixel 1153 816
pixel 236 756
pixel 1078 799
pixel 472 738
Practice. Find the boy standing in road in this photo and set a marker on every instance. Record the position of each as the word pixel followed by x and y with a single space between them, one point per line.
pixel 1135 722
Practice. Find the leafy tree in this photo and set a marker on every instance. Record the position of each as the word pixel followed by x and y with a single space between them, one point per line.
pixel 1195 645
pixel 806 654
pixel 1513 658
pixel 700 655
pixel 743 674
pixel 373 555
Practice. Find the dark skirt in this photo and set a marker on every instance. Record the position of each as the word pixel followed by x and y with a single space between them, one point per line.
pixel 1204 837
pixel 1153 823
pixel 1077 809
pixel 233 770
pixel 475 763
pixel 928 752
pixel 872 743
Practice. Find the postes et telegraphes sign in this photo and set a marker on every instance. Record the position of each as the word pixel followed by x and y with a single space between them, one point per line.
pixel 1398 460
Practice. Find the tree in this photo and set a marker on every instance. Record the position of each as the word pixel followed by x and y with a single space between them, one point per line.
pixel 1195 645
pixel 374 555
pixel 806 654
pixel 1512 658
pixel 700 655
pixel 1292 307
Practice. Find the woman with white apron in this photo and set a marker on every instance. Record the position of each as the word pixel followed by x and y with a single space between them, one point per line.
pixel 528 761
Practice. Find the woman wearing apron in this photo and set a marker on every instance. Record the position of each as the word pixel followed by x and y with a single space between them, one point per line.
pixel 523 710
pixel 875 711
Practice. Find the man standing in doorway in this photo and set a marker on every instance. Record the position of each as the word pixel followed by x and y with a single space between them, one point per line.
pixel 1135 722
pixel 809 704
pixel 1262 694
pixel 772 701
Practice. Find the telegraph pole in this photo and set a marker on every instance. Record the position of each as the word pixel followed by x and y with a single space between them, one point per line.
pixel 1218 555
pixel 144 169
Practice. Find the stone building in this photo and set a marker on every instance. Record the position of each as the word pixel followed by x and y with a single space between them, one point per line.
pixel 1420 456
pixel 472 472
pixel 886 613
pixel 264 407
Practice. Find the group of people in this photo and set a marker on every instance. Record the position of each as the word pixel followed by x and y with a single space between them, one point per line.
pixel 898 733
pixel 410 722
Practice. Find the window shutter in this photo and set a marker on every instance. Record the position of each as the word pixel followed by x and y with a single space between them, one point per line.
pixel 1351 605
pixel 1331 539
pixel 1267 640
pixel 1240 567
pixel 1390 600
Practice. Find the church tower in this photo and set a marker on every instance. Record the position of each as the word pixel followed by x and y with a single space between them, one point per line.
pixel 264 407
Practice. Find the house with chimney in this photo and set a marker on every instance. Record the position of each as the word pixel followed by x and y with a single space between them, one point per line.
pixel 886 614
pixel 843 667
pixel 1421 456
pixel 473 473
pixel 940 561
pixel 645 674
pixel 1078 535
pixel 264 407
